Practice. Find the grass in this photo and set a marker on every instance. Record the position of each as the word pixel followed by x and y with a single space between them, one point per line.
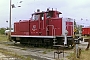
pixel 47 50
pixel 85 55
pixel 23 48
pixel 3 38
pixel 12 54
pixel 86 37
pixel 44 52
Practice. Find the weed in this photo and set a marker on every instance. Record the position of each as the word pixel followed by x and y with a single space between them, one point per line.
pixel 10 53
pixel 44 52
pixel 84 55
pixel 23 49
pixel 3 38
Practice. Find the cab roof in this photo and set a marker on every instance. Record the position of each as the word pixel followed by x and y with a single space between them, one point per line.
pixel 36 13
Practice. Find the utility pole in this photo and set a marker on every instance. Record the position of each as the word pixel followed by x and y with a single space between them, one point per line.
pixel 10 22
pixel 10 27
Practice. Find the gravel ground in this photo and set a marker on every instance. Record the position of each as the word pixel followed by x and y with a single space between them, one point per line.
pixel 34 53
pixel 4 57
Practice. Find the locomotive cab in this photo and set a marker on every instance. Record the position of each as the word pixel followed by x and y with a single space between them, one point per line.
pixel 37 16
pixel 52 14
pixel 48 14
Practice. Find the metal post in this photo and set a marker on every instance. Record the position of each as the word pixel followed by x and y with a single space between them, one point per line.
pixel 65 36
pixel 10 20
pixel 76 50
pixel 65 43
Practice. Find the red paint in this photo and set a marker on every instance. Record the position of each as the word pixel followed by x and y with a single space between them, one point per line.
pixel 57 23
pixel 16 26
pixel 86 31
pixel 24 26
pixel 69 27
pixel 34 27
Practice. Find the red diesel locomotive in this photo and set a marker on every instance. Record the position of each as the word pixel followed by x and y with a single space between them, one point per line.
pixel 44 29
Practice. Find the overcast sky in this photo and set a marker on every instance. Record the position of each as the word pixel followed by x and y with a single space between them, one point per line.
pixel 75 9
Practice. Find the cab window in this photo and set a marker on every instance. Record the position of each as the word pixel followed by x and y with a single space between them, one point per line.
pixel 41 16
pixel 49 14
pixel 35 17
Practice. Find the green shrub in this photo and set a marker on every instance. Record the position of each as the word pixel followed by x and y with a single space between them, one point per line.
pixel 2 30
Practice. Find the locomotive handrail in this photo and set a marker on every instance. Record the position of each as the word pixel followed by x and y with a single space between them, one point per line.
pixel 53 33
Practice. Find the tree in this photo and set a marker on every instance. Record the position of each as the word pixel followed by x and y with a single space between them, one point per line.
pixel 2 30
pixel 76 28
